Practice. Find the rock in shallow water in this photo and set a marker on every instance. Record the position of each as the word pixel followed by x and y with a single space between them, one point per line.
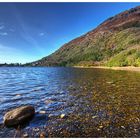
pixel 19 115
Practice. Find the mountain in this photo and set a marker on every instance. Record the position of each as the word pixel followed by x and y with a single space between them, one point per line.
pixel 115 42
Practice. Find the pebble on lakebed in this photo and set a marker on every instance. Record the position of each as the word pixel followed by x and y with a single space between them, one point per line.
pixel 42 135
pixel 42 112
pixel 62 116
pixel 18 115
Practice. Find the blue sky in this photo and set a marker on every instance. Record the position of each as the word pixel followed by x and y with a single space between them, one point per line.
pixel 30 31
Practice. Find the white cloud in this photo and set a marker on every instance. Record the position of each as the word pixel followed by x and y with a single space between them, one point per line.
pixel 3 33
pixel 41 34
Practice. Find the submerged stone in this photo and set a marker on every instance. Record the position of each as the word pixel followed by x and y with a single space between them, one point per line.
pixel 19 115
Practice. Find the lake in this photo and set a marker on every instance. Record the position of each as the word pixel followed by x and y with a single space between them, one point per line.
pixel 94 102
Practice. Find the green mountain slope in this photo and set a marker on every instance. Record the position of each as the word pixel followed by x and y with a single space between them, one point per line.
pixel 115 42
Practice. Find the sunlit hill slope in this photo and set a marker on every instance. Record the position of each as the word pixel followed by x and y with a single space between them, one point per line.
pixel 115 42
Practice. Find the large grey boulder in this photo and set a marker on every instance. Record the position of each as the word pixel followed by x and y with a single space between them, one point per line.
pixel 19 115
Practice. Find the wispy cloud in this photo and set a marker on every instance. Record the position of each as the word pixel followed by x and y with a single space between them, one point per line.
pixel 41 34
pixel 11 30
pixel 25 32
pixel 2 30
pixel 7 49
pixel 3 33
pixel 2 27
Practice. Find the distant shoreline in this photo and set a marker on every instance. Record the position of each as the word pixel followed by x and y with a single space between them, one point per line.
pixel 127 68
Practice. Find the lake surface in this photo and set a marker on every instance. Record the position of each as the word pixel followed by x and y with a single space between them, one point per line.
pixel 96 102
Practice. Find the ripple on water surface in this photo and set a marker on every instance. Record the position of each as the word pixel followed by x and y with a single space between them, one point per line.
pixel 93 102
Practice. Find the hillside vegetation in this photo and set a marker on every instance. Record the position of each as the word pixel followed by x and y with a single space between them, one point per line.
pixel 115 42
